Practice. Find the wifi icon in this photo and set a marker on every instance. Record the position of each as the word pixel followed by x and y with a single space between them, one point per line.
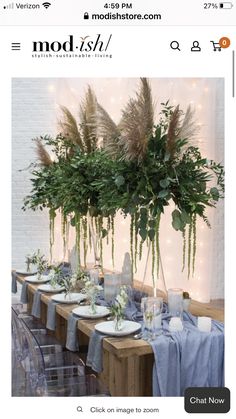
pixel 46 4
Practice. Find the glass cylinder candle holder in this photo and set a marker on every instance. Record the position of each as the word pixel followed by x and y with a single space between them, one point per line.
pixel 111 285
pixel 175 302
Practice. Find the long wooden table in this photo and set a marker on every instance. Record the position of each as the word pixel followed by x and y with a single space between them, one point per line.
pixel 127 363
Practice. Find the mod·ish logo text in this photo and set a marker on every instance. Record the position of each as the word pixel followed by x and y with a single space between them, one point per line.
pixel 86 44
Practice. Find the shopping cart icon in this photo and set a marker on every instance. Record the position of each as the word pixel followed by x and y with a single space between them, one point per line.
pixel 216 46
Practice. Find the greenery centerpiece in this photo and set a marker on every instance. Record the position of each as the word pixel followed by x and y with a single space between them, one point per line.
pixel 139 168
pixel 39 260
pixel 118 307
pixel 92 290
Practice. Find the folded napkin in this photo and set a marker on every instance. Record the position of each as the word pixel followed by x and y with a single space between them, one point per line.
pixel 24 293
pixel 133 311
pixel 72 342
pixel 36 307
pixel 13 282
pixel 190 358
pixel 100 300
pixel 95 352
pixel 51 315
pixel 65 268
pixel 133 308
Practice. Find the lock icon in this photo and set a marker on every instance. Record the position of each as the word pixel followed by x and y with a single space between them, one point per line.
pixel 86 15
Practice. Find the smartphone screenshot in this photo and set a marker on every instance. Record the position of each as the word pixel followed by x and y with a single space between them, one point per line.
pixel 117 209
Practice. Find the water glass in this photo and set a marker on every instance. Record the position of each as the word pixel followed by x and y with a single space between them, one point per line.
pixel 175 302
pixel 152 317
pixel 94 275
pixel 143 309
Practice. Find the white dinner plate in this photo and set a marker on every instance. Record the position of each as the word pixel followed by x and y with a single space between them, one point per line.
pixel 50 288
pixel 34 279
pixel 84 311
pixel 23 271
pixel 71 298
pixel 108 328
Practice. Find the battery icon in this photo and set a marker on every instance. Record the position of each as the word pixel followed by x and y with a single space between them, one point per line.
pixel 226 5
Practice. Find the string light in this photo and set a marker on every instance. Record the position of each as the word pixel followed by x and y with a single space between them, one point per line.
pixel 51 88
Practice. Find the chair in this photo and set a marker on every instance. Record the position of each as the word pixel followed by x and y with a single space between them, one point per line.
pixel 47 374
pixel 36 327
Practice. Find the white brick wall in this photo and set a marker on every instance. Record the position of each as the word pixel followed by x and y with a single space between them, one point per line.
pixel 33 113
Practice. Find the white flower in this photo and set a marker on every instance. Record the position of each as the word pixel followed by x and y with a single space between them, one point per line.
pixel 121 300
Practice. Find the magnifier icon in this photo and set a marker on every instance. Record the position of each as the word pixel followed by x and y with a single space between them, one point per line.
pixel 175 45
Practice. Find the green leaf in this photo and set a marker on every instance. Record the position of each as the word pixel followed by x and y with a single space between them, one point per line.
pixel 176 223
pixel 143 233
pixel 215 194
pixel 164 183
pixel 119 181
pixel 175 214
pixel 151 234
pixel 185 217
pixel 163 193
pixel 72 222
pixel 104 233
pixel 152 223
pixel 167 156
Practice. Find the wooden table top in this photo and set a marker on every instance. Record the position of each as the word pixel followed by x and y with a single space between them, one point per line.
pixel 121 346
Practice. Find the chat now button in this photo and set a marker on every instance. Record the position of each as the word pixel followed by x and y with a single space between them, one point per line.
pixel 207 400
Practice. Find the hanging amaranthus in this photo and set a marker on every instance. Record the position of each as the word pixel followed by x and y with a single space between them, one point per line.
pixel 77 232
pixel 140 249
pixel 90 239
pixel 132 243
pixel 113 240
pixel 157 256
pixel 184 249
pixel 135 240
pixel 85 239
pixel 190 229
pixel 108 229
pixel 153 259
pixel 194 242
pixel 65 233
pixel 52 216
pixel 100 227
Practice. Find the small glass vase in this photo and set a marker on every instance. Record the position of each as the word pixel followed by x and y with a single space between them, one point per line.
pixel 92 304
pixel 118 322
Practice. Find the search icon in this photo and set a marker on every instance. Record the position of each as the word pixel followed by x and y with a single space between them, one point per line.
pixel 175 45
pixel 79 409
